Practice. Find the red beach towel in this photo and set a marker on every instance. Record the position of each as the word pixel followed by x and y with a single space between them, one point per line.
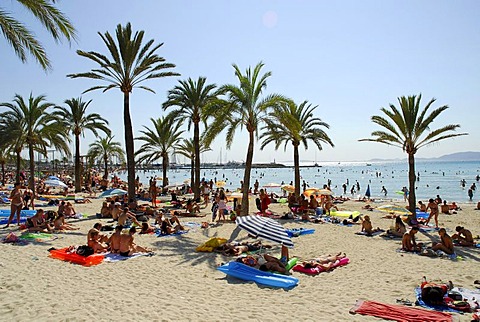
pixel 398 313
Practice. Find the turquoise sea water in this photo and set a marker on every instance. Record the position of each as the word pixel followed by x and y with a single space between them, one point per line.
pixel 442 178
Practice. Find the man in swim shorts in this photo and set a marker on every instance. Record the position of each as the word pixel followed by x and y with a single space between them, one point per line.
pixel 463 236
pixel 408 241
pixel 446 244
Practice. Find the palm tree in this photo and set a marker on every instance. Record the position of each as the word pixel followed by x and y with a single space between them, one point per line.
pixel 408 127
pixel 103 150
pixel 130 65
pixel 244 108
pixel 192 99
pixel 160 141
pixel 13 138
pixel 77 121
pixel 187 149
pixel 39 128
pixel 23 40
pixel 295 124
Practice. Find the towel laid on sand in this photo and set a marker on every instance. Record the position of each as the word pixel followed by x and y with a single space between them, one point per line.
pixel 398 313
pixel 117 257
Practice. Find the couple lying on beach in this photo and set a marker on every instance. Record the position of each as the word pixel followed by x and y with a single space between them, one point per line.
pixel 118 242
pixel 48 223
pixel 325 262
pixel 238 248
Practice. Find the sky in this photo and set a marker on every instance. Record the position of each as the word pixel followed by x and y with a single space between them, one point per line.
pixel 350 58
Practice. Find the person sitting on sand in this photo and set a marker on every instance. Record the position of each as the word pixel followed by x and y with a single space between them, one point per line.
pixel 61 208
pixel 97 227
pixel 105 211
pixel 69 211
pixel 95 243
pixel 171 226
pixel 37 223
pixel 146 228
pixel 408 241
pixel 453 206
pixel 325 262
pixel 463 236
pixel 433 212
pixel 399 230
pixel 422 207
pixel 114 239
pixel 128 246
pixel 444 208
pixel 116 211
pixel 126 217
pixel 367 226
pixel 446 243
pixel 60 224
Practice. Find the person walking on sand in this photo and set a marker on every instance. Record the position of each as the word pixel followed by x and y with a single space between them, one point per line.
pixel 16 204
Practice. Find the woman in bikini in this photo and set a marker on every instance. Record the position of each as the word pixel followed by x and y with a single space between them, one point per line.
pixel 16 204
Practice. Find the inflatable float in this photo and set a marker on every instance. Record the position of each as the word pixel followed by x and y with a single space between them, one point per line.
pixel 344 213
pixel 247 273
pixel 4 220
pixel 63 255
pixel 6 212
pixel 295 232
pixel 318 270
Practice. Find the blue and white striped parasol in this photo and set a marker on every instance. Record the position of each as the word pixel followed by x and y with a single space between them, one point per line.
pixel 266 228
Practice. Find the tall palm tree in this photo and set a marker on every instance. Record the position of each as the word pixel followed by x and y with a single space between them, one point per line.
pixel 244 107
pixel 77 121
pixel 130 65
pixel 408 127
pixel 13 138
pixel 23 40
pixel 192 99
pixel 159 142
pixel 187 149
pixel 103 150
pixel 39 126
pixel 294 124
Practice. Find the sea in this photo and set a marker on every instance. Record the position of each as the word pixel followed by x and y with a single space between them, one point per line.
pixel 443 178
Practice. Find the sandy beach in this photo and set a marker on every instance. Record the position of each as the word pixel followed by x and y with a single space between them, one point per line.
pixel 179 284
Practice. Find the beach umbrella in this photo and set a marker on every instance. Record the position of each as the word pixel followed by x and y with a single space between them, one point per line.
pixel 394 209
pixel 53 178
pixel 112 193
pixel 288 188
pixel 272 185
pixel 55 183
pixel 266 228
pixel 220 183
pixel 367 193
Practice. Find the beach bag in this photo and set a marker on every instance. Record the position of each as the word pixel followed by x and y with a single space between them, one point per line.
pixel 85 250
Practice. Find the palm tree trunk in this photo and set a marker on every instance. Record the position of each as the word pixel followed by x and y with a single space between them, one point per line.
pixel 129 145
pixel 192 171
pixel 164 169
pixel 17 173
pixel 105 165
pixel 296 166
pixel 246 176
pixel 196 143
pixel 78 183
pixel 31 182
pixel 411 180
pixel 3 173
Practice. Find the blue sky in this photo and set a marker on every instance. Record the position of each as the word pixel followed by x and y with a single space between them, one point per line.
pixel 348 57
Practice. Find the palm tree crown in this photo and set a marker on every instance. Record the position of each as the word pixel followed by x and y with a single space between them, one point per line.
pixel 23 40
pixel 192 99
pixel 159 142
pixel 77 121
pixel 104 150
pixel 131 63
pixel 408 127
pixel 244 107
pixel 294 124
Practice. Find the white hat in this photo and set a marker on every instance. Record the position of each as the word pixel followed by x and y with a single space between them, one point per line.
pixel 118 204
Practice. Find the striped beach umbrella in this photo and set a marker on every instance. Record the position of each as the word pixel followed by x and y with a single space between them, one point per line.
pixel 266 228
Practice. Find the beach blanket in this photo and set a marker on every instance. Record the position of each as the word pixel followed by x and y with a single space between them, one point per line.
pixel 470 296
pixel 398 313
pixel 112 258
pixel 180 232
pixel 364 233
pixel 38 237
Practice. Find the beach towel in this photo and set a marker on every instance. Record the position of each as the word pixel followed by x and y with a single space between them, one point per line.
pixel 398 313
pixel 364 233
pixel 180 232
pixel 420 302
pixel 38 237
pixel 112 258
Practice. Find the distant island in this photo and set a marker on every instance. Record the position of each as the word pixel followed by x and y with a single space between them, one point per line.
pixel 458 156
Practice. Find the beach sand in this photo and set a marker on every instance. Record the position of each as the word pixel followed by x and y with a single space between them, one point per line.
pixel 179 284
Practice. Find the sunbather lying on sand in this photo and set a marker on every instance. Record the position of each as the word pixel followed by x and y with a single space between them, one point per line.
pixel 236 249
pixel 60 224
pixel 326 262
